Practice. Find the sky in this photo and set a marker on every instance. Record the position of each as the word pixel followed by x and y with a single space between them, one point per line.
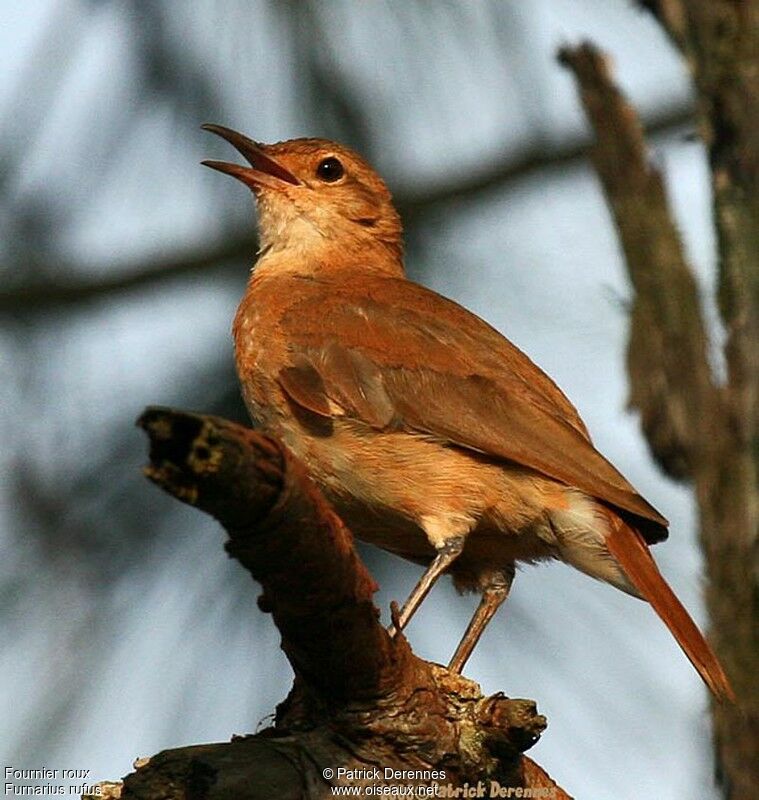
pixel 127 629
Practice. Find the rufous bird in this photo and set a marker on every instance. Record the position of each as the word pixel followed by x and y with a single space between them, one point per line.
pixel 433 436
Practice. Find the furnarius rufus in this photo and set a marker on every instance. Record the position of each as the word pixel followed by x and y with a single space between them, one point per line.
pixel 434 437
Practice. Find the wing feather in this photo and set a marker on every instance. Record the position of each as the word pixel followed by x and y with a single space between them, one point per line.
pixel 405 356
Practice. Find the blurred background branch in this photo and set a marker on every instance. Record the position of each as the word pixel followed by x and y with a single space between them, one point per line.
pixel 238 245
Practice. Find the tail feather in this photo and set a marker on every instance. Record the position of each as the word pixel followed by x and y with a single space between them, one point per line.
pixel 631 551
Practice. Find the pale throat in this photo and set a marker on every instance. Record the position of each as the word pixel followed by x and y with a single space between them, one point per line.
pixel 296 244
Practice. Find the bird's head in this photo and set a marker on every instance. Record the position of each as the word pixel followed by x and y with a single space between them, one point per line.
pixel 318 202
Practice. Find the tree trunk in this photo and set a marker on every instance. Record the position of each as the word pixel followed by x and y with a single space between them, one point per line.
pixel 699 429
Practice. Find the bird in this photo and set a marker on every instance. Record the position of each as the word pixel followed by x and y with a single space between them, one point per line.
pixel 432 435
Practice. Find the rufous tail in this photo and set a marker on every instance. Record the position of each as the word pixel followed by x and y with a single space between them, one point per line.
pixel 629 548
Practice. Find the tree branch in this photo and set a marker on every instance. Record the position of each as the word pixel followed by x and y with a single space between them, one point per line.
pixel 361 698
pixel 720 40
pixel 52 290
pixel 670 377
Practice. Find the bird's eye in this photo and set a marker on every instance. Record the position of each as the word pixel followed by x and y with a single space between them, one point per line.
pixel 330 169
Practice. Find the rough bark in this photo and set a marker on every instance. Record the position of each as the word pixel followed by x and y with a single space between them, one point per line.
pixel 361 700
pixel 699 429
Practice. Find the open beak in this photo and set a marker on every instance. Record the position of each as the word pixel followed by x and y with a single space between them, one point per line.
pixel 264 171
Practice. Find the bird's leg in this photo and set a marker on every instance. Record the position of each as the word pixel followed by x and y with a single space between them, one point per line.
pixel 447 553
pixel 495 591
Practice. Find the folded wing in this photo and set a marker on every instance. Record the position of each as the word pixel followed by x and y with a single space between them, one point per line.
pixel 406 357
